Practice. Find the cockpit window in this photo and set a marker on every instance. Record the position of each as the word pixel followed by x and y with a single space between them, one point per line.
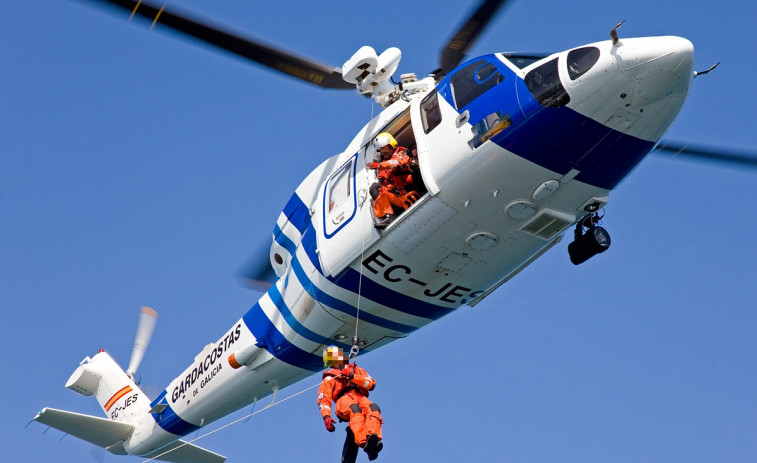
pixel 544 84
pixel 473 80
pixel 484 72
pixel 581 60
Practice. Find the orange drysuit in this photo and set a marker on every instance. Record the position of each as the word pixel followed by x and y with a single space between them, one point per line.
pixel 350 392
pixel 394 176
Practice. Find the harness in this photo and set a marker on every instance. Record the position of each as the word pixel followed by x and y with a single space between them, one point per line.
pixel 346 389
pixel 349 387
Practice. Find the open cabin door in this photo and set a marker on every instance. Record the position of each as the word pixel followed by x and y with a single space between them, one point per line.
pixel 346 222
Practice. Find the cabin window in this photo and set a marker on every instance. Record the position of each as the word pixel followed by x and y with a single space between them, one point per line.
pixel 488 127
pixel 340 187
pixel 431 114
pixel 581 60
pixel 544 84
pixel 474 80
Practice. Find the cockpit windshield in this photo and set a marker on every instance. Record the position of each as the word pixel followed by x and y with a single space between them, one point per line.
pixel 522 60
pixel 581 60
pixel 544 84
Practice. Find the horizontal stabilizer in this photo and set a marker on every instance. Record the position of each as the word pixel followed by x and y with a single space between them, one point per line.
pixel 99 431
pixel 184 452
pixel 108 434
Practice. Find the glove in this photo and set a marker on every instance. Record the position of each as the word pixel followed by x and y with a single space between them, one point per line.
pixel 329 422
pixel 347 371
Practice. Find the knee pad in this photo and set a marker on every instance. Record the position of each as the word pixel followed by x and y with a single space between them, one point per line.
pixel 355 408
pixel 375 408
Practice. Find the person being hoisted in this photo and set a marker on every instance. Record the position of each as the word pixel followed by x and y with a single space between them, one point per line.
pixel 394 176
pixel 347 385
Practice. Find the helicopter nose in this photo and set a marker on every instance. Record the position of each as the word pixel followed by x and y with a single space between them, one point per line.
pixel 637 86
pixel 659 66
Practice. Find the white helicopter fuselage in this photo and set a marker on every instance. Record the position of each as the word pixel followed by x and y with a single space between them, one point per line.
pixel 510 158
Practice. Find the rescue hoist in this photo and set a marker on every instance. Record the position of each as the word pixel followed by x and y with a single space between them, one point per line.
pixel 355 349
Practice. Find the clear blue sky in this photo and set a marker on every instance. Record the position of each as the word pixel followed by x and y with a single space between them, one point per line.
pixel 141 169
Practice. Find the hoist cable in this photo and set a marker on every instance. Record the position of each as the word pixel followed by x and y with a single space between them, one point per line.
pixel 233 422
pixel 355 340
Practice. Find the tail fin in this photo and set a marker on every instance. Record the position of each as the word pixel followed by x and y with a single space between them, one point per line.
pixel 119 396
pixel 125 406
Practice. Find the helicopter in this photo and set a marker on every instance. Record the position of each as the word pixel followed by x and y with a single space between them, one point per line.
pixel 390 269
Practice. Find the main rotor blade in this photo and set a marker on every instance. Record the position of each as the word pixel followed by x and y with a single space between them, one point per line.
pixel 715 154
pixel 301 68
pixel 455 50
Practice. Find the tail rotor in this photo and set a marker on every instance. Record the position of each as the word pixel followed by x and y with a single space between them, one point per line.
pixel 147 319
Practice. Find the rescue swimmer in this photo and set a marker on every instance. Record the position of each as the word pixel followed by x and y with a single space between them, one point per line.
pixel 348 385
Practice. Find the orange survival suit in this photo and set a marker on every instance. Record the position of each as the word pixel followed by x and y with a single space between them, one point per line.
pixel 349 387
pixel 394 176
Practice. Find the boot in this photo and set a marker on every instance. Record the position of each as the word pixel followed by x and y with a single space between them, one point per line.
pixel 383 222
pixel 373 446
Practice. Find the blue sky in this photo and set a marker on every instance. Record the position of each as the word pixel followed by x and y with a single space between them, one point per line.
pixel 137 168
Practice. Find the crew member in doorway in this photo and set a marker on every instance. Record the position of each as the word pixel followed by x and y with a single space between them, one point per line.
pixel 390 194
pixel 347 385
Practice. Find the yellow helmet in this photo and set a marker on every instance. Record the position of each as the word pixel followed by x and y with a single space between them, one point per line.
pixel 333 356
pixel 383 139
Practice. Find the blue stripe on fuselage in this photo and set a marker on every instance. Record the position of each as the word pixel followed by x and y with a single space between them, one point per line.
pixel 269 337
pixel 169 421
pixel 297 213
pixel 341 306
pixel 349 279
pixel 173 423
pixel 561 139
pixel 311 248
pixel 295 324
pixel 283 240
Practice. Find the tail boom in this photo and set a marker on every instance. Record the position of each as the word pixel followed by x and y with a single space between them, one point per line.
pixel 129 428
